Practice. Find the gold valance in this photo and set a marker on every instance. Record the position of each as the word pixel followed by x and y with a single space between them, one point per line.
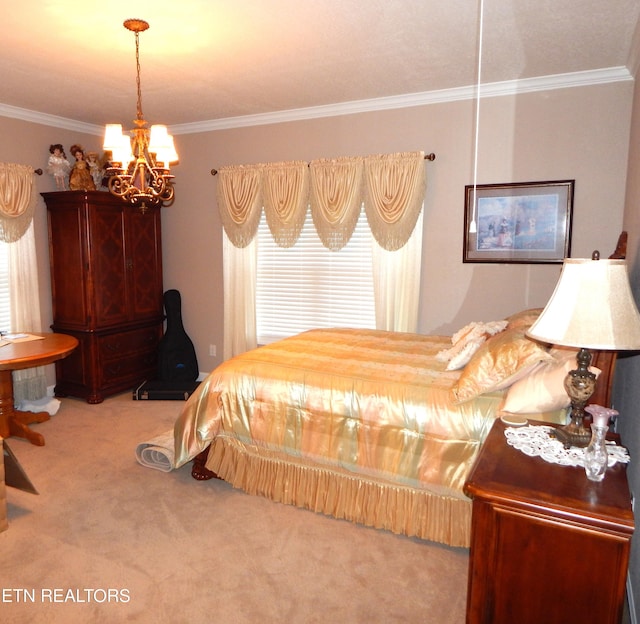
pixel 392 187
pixel 286 197
pixel 240 202
pixel 395 185
pixel 17 200
pixel 336 198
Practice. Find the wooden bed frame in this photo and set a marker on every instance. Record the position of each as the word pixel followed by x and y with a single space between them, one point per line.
pixel 604 360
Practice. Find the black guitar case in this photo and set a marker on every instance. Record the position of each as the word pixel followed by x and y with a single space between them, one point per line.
pixel 177 361
pixel 176 354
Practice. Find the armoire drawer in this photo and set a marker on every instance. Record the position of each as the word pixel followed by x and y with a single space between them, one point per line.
pixel 115 346
pixel 133 366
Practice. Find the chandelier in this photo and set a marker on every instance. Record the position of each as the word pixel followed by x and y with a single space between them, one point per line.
pixel 139 167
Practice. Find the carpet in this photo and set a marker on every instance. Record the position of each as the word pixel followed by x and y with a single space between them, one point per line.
pixel 108 540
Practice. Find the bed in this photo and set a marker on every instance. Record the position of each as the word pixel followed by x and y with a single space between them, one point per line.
pixel 375 427
pixel 379 428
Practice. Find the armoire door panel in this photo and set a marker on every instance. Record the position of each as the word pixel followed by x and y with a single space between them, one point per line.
pixel 144 255
pixel 68 268
pixel 109 271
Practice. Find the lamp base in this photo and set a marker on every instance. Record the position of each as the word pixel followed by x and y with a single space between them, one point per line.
pixel 572 435
pixel 579 384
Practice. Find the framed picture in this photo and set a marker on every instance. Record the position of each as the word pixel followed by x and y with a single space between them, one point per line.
pixel 527 222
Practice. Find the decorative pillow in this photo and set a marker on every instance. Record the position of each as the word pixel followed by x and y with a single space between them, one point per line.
pixel 476 329
pixel 543 389
pixel 462 355
pixel 466 342
pixel 524 319
pixel 499 362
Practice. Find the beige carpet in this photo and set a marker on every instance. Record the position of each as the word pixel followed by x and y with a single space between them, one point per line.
pixel 108 540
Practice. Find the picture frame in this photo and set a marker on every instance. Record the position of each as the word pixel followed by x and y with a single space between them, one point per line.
pixel 518 222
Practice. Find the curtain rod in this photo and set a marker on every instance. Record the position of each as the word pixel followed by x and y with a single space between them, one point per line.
pixel 431 156
pixel 38 171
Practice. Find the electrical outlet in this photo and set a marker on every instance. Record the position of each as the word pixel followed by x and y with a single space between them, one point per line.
pixel 212 350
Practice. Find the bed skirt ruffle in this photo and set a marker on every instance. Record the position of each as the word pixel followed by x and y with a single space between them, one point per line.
pixel 341 494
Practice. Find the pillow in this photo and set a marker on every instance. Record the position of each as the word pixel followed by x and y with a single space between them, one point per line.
pixel 466 342
pixel 524 319
pixel 543 389
pixel 499 362
pixel 476 329
pixel 464 354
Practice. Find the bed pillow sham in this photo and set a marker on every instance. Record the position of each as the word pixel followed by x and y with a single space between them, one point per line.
pixel 523 319
pixel 500 361
pixel 542 390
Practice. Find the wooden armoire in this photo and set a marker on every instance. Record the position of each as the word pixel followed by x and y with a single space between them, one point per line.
pixel 106 281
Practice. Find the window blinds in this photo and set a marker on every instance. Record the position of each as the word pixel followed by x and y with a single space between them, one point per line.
pixel 5 303
pixel 307 286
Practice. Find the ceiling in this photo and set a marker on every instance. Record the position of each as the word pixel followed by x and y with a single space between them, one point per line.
pixel 213 59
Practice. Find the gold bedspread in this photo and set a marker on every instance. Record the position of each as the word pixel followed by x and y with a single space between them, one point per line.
pixel 355 423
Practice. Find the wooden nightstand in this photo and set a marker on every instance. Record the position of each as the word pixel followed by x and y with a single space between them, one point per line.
pixel 547 545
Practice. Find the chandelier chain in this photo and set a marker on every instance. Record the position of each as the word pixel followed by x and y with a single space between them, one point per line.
pixel 139 112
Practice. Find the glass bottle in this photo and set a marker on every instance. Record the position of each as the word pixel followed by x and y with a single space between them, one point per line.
pixel 595 455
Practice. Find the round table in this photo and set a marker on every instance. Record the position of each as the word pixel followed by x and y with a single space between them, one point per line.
pixel 45 349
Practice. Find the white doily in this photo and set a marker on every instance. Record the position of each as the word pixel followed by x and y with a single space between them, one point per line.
pixel 535 441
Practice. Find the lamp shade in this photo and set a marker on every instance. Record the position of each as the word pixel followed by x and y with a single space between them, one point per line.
pixel 161 144
pixel 112 134
pixel 117 143
pixel 592 306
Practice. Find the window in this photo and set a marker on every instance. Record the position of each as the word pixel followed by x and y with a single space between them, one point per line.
pixel 5 308
pixel 307 286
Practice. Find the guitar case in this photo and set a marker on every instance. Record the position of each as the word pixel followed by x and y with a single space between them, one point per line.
pixel 177 361
pixel 176 354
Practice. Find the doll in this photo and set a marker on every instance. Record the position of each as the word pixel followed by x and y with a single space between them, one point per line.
pixel 80 177
pixel 95 168
pixel 58 166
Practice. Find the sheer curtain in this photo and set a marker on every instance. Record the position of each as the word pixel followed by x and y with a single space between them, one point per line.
pixel 395 186
pixel 240 204
pixel 29 384
pixel 240 267
pixel 396 283
pixel 17 204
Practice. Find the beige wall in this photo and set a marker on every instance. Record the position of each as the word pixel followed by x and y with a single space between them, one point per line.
pixel 579 133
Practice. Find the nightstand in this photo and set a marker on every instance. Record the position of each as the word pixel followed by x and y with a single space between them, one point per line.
pixel 547 544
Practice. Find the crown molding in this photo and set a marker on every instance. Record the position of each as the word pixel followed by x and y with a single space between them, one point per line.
pixel 493 89
pixel 49 120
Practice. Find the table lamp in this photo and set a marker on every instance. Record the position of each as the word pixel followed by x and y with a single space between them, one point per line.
pixel 592 307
